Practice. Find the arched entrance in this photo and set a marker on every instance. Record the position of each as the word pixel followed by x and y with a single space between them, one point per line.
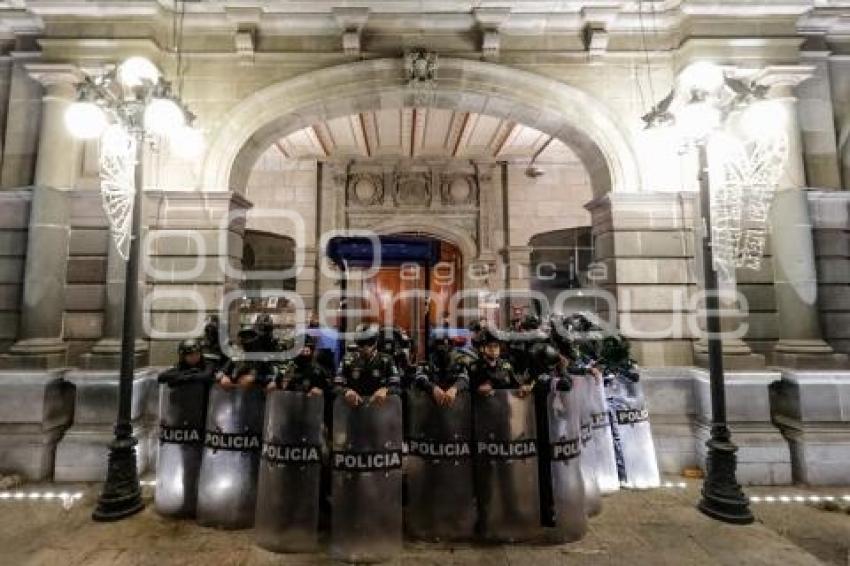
pixel 461 197
pixel 564 112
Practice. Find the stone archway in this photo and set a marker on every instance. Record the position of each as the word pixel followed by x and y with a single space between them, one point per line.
pixel 552 107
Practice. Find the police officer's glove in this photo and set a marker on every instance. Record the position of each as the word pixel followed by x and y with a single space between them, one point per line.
pixel 379 396
pixel 564 384
pixel 449 396
pixel 352 398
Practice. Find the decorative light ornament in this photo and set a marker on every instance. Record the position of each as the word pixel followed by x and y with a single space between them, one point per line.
pixel 163 115
pixel 762 119
pixel 701 76
pixel 137 71
pixel 85 120
pixel 741 201
pixel 188 143
pixel 118 184
pixel 697 119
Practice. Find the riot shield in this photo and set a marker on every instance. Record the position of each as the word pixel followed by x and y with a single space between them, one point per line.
pixel 506 466
pixel 287 518
pixel 441 493
pixel 366 521
pixel 583 386
pixel 603 442
pixel 632 421
pixel 564 455
pixel 182 411
pixel 227 488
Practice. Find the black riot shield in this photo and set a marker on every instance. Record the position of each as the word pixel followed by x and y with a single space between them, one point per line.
pixel 441 494
pixel 564 411
pixel 506 466
pixel 583 386
pixel 366 521
pixel 182 411
pixel 227 489
pixel 287 517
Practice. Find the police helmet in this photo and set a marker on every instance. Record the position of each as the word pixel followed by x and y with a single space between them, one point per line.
pixel 189 346
pixel 487 336
pixel 546 355
pixel 367 334
pixel 614 350
pixel 531 322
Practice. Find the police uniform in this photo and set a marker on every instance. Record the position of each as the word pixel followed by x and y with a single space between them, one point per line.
pixel 183 373
pixel 443 375
pixel 303 375
pixel 499 374
pixel 365 376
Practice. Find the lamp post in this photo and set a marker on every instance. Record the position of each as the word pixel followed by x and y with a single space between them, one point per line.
pixel 699 105
pixel 126 108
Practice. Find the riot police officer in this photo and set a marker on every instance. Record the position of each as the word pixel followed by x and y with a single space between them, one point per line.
pixel 554 371
pixel 369 374
pixel 211 345
pixel 254 368
pixel 444 375
pixel 491 371
pixel 303 373
pixel 191 367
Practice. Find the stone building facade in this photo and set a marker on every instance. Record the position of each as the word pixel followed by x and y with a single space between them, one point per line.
pixel 490 126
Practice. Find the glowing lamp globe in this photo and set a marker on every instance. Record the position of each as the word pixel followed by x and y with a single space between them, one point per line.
pixel 85 120
pixel 163 115
pixel 702 77
pixel 137 71
pixel 762 119
pixel 697 120
pixel 188 143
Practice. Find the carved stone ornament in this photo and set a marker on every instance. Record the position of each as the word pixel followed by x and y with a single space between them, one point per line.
pixel 458 190
pixel 412 189
pixel 365 189
pixel 420 68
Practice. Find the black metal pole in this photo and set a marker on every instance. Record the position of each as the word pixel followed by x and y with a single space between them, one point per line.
pixel 121 495
pixel 722 496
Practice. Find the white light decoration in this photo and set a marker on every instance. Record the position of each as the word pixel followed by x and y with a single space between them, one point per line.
pixel 701 76
pixel 188 143
pixel 85 120
pixel 761 119
pixel 137 71
pixel 740 201
pixel 696 120
pixel 117 184
pixel 163 116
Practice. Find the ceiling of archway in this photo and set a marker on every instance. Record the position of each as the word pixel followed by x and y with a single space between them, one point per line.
pixel 421 133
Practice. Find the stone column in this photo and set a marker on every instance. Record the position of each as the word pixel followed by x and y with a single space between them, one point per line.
pixel 40 344
pixel 106 353
pixel 643 270
pixel 795 278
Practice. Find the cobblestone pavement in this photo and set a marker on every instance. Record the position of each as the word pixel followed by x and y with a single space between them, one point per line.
pixel 656 527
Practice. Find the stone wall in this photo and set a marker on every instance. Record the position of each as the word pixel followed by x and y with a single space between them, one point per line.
pixel 87 272
pixel 553 201
pixel 830 214
pixel 14 222
pixel 644 246
pixel 194 246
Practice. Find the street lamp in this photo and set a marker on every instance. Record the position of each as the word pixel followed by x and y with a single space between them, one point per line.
pixel 699 105
pixel 125 108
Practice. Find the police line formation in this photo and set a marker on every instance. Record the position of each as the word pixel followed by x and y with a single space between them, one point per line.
pixel 486 439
